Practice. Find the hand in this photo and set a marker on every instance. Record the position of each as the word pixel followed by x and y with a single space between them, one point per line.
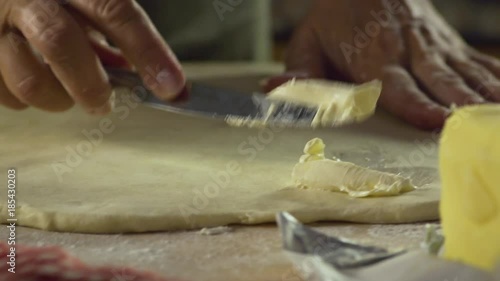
pixel 52 53
pixel 424 64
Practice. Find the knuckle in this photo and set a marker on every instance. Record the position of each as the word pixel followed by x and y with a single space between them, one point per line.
pixel 444 79
pixel 470 69
pixel 54 38
pixel 116 12
pixel 435 74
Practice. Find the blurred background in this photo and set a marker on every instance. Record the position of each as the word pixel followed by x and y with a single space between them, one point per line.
pixel 258 30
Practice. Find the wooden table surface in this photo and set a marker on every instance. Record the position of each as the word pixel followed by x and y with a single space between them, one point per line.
pixel 248 253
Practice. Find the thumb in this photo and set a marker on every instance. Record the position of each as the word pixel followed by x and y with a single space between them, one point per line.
pixel 304 59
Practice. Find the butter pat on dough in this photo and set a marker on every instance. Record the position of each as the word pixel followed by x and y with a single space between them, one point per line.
pixel 316 171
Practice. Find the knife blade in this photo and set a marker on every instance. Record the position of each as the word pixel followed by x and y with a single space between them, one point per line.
pixel 212 102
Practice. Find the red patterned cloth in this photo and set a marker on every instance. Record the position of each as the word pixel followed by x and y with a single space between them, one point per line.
pixel 54 264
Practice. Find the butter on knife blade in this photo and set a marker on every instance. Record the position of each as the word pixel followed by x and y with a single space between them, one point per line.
pixel 301 103
pixel 330 103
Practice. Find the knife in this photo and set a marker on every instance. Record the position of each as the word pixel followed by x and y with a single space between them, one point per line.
pixel 213 102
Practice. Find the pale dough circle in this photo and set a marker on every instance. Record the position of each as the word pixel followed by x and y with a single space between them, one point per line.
pixel 156 171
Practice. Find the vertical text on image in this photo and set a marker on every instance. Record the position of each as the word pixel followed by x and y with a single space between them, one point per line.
pixel 11 218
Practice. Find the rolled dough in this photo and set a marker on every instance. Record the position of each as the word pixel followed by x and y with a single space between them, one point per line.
pixel 142 170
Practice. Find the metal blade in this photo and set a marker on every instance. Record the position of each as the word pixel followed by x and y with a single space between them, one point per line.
pixel 338 252
pixel 213 102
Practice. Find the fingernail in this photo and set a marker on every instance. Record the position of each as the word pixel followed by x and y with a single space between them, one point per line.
pixel 169 85
pixel 102 110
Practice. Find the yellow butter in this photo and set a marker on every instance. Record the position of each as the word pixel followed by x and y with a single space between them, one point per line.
pixel 336 103
pixel 469 163
pixel 314 170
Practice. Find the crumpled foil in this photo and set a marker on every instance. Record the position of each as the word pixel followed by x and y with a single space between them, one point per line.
pixel 319 257
pixel 340 253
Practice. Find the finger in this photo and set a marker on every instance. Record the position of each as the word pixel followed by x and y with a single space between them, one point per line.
pixel 276 81
pixel 490 62
pixel 127 25
pixel 478 77
pixel 110 56
pixel 305 54
pixel 444 84
pixel 8 100
pixel 402 97
pixel 65 47
pixel 28 79
pixel 304 59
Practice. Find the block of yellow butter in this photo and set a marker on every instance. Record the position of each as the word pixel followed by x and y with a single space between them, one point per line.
pixel 469 162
